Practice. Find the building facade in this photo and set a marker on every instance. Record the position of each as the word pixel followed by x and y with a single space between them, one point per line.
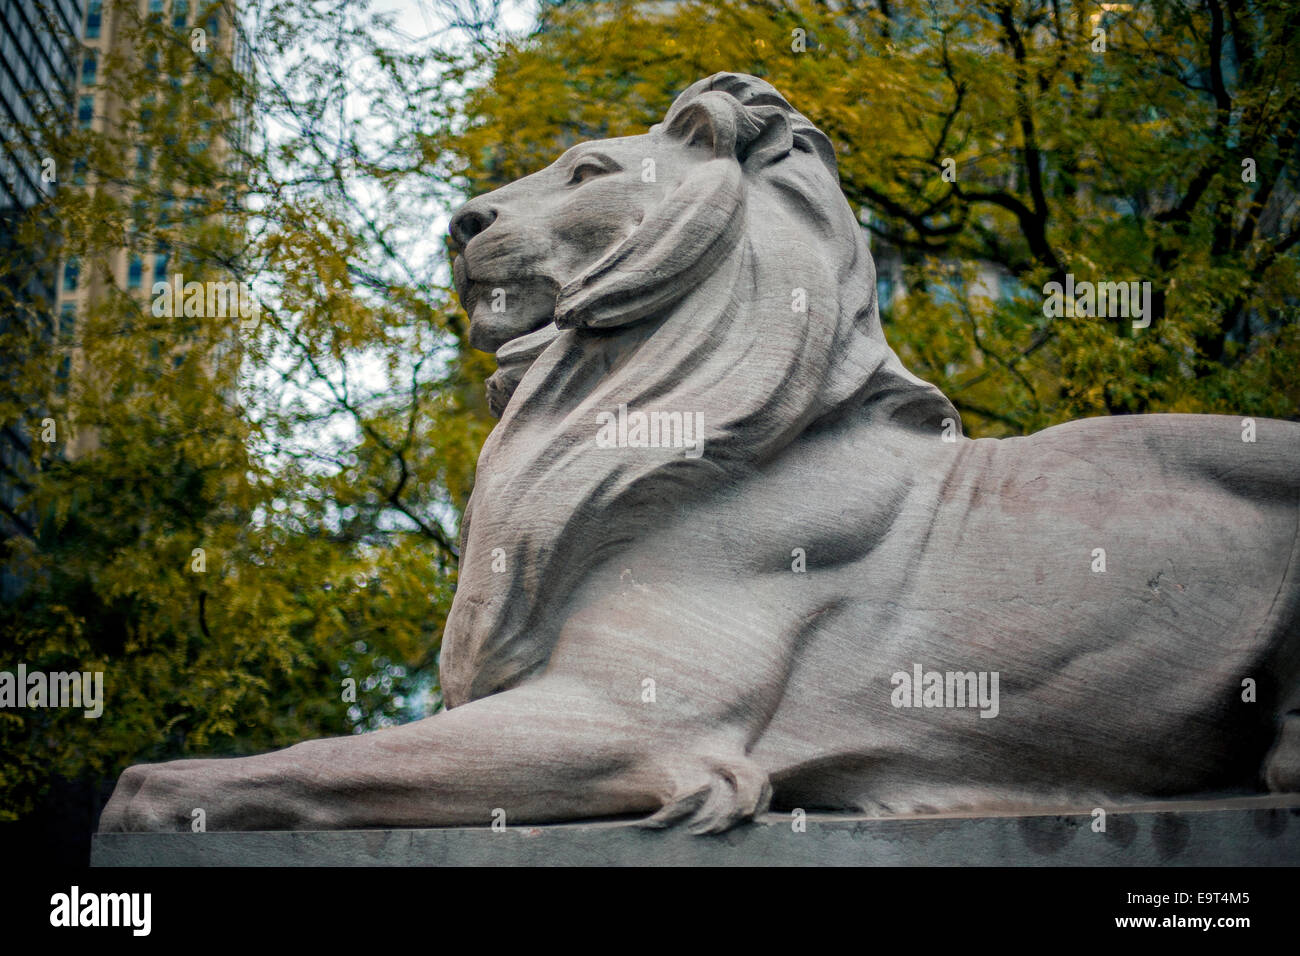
pixel 39 58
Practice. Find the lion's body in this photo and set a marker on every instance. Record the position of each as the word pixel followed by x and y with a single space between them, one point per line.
pixel 678 630
pixel 978 555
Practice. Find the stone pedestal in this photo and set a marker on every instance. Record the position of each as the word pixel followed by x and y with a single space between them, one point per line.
pixel 1241 832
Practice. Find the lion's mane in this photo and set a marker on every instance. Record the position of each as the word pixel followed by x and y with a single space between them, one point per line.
pixel 696 311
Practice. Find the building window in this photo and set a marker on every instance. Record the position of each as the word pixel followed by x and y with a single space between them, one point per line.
pixel 160 267
pixel 156 6
pixel 180 13
pixel 86 111
pixel 67 320
pixel 71 270
pixel 884 290
pixel 135 273
pixel 1011 288
pixel 94 17
pixel 89 69
pixel 947 289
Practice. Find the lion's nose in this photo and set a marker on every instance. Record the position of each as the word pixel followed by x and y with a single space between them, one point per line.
pixel 472 219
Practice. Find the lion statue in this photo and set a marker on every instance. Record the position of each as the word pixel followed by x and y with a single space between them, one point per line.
pixel 725 552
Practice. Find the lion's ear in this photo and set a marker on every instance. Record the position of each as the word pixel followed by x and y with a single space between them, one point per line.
pixel 713 121
pixel 754 135
pixel 667 255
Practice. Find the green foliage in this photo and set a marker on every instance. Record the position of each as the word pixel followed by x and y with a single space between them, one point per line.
pixel 318 455
pixel 1122 165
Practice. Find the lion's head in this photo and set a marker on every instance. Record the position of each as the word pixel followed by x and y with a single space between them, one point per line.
pixel 709 266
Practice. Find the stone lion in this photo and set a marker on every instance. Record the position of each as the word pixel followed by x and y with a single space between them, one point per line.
pixel 724 550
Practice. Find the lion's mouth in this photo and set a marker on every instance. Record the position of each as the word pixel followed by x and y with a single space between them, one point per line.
pixel 515 322
pixel 502 313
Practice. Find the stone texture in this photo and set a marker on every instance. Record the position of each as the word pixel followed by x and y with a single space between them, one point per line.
pixel 681 628
pixel 1252 833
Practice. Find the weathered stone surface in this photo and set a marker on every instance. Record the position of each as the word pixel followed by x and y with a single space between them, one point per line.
pixel 680 627
pixel 1263 832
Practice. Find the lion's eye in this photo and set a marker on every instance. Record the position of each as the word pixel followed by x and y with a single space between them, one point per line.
pixel 587 170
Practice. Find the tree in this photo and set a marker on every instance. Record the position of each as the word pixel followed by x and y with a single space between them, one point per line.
pixel 1150 142
pixel 246 519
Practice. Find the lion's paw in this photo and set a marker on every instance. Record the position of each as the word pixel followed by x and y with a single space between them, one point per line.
pixel 142 802
pixel 711 796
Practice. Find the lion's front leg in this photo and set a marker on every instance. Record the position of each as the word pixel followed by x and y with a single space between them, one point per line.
pixel 544 752
pixel 248 793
